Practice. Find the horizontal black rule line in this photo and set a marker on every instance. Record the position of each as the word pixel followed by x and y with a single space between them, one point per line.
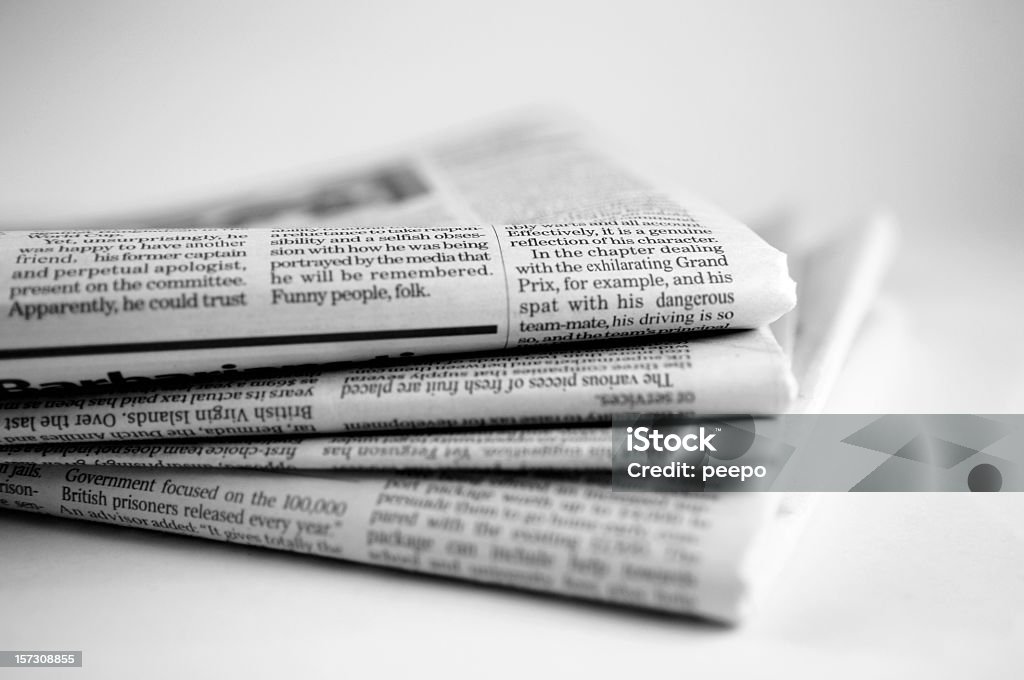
pixel 215 343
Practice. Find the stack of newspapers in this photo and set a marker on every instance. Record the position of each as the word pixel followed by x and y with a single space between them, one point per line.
pixel 413 363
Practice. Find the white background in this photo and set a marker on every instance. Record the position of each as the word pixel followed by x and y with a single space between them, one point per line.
pixel 821 111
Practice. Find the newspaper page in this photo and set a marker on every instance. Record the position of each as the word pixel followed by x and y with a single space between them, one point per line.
pixel 545 240
pixel 741 372
pixel 684 554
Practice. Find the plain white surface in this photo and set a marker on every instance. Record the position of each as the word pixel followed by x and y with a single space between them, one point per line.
pixel 825 108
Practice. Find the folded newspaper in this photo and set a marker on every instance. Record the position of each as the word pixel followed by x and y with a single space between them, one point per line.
pixel 740 372
pixel 561 532
pixel 544 240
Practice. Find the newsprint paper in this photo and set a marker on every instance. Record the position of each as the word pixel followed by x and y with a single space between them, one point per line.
pixel 699 554
pixel 686 554
pixel 562 532
pixel 742 372
pixel 355 268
